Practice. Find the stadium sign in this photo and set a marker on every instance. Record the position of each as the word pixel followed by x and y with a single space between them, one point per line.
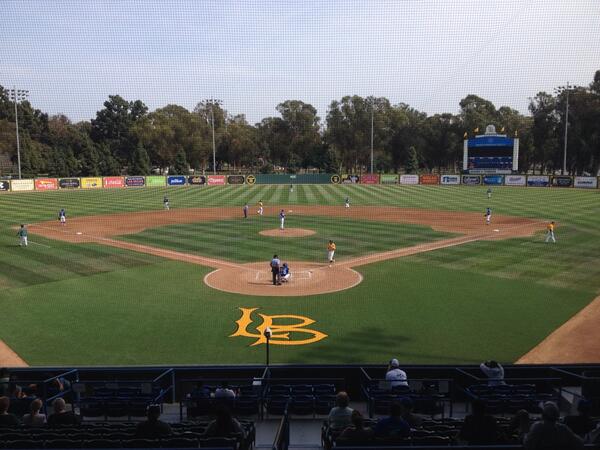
pixel 281 333
pixel 350 179
pixel 335 179
pixel 69 183
pixel 450 179
pixel 369 178
pixel 471 180
pixel 45 184
pixel 515 180
pixel 113 182
pixel 250 179
pixel 156 180
pixel 21 185
pixel 236 179
pixel 135 181
pixel 197 180
pixel 493 180
pixel 176 180
pixel 409 179
pixel 538 180
pixel 429 178
pixel 389 179
pixel 4 185
pixel 91 183
pixel 562 181
pixel 216 180
pixel 586 182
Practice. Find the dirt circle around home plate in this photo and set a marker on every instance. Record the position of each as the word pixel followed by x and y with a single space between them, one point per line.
pixel 306 279
pixel 287 232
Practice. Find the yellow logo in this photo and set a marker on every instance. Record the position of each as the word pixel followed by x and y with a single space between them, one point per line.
pixel 280 332
pixel 250 179
pixel 335 179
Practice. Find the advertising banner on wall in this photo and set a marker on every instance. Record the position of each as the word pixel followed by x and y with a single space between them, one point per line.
pixel 562 181
pixel 4 185
pixel 369 178
pixel 389 179
pixel 493 180
pixel 197 180
pixel 350 179
pixel 586 182
pixel 409 179
pixel 21 185
pixel 236 179
pixel 335 179
pixel 538 180
pixel 176 180
pixel 156 180
pixel 91 183
pixel 216 180
pixel 113 182
pixel 515 180
pixel 429 178
pixel 471 180
pixel 453 180
pixel 45 184
pixel 69 183
pixel 135 181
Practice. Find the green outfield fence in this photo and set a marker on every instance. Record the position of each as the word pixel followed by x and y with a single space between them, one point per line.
pixel 132 182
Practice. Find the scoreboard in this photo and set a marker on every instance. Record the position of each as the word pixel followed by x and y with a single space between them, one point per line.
pixel 491 153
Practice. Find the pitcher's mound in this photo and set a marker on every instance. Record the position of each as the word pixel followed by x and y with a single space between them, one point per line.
pixel 307 279
pixel 288 232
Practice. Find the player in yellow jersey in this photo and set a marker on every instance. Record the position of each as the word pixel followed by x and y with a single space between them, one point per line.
pixel 550 232
pixel 331 252
pixel 260 208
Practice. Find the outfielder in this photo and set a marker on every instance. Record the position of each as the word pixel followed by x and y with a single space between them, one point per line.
pixel 347 202
pixel 291 188
pixel 260 208
pixel 62 216
pixel 281 219
pixel 489 192
pixel 488 216
pixel 331 252
pixel 22 233
pixel 166 203
pixel 550 232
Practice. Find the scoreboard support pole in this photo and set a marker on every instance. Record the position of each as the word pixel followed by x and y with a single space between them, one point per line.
pixel 515 161
pixel 466 154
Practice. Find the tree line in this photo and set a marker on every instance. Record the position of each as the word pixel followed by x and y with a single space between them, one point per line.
pixel 126 138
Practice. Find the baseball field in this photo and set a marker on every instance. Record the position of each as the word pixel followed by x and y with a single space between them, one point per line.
pixel 418 276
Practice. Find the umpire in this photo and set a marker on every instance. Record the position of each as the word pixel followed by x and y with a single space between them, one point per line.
pixel 275 263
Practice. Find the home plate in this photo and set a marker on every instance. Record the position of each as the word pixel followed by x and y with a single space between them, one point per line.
pixel 79 232
pixel 496 230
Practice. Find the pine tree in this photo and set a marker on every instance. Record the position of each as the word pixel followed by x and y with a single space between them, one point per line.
pixel 180 166
pixel 140 164
pixel 412 162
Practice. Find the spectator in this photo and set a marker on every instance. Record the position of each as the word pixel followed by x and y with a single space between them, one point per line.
pixel 357 432
pixel 395 375
pixel 61 416
pixel 479 428
pixel 519 426
pixel 413 420
pixel 394 425
pixel 548 434
pixel 7 419
pixel 200 391
pixel 582 423
pixel 494 371
pixel 224 426
pixel 35 418
pixel 4 381
pixel 340 415
pixel 152 427
pixel 224 391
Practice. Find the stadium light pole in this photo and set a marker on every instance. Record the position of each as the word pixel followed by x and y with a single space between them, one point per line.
pixel 213 102
pixel 372 114
pixel 566 133
pixel 18 95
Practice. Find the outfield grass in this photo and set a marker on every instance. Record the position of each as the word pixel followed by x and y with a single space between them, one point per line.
pixel 90 304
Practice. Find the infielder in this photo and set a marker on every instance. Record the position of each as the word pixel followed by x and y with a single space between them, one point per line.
pixel 488 216
pixel 62 216
pixel 22 233
pixel 281 219
pixel 331 252
pixel 166 203
pixel 550 232
pixel 489 193
pixel 260 208
pixel 347 202
pixel 245 211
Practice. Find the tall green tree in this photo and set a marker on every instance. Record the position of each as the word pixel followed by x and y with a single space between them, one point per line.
pixel 180 165
pixel 140 162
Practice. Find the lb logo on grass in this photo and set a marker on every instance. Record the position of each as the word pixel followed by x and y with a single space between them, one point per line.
pixel 282 331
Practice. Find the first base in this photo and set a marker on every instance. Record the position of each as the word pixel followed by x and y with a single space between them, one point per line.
pixel 496 230
pixel 79 232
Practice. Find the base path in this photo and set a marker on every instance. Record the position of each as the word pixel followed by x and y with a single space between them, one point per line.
pixel 8 358
pixel 575 342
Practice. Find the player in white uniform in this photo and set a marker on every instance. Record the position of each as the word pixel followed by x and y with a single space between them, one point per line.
pixel 347 202
pixel 281 219
pixel 62 216
pixel 260 208
pixel 488 216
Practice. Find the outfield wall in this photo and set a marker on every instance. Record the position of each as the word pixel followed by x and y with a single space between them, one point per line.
pixel 168 181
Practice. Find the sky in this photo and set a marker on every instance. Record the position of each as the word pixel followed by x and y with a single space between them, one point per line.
pixel 255 54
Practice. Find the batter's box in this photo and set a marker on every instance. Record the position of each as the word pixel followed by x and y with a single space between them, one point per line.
pixel 296 275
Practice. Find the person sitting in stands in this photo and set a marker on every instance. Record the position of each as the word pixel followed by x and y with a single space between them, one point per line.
pixel 224 391
pixel 494 371
pixel 224 425
pixel 152 427
pixel 284 273
pixel 35 418
pixel 4 381
pixel 7 419
pixel 340 415
pixel 413 420
pixel 549 434
pixel 479 428
pixel 395 375
pixel 61 416
pixel 357 432
pixel 200 391
pixel 519 426
pixel 394 425
pixel 582 423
